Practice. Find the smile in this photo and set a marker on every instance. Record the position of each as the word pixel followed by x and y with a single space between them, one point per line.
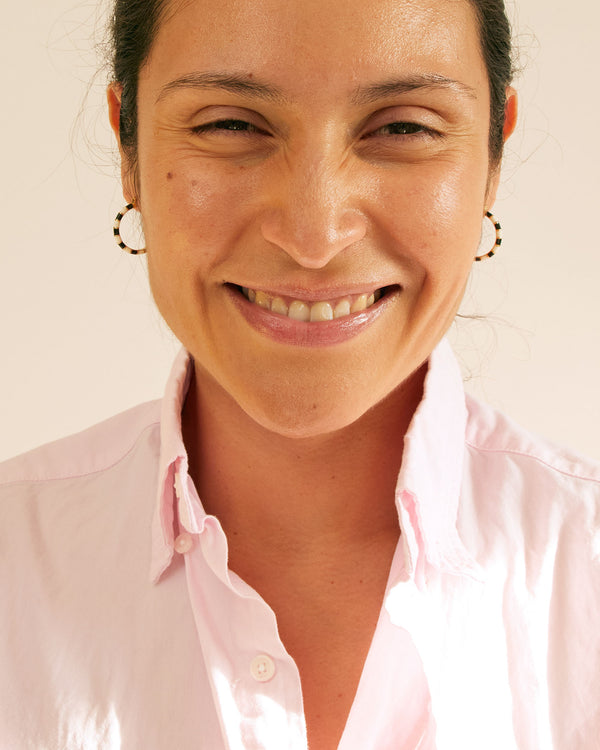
pixel 321 321
pixel 315 311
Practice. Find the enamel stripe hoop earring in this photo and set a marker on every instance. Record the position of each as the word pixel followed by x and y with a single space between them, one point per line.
pixel 117 232
pixel 498 242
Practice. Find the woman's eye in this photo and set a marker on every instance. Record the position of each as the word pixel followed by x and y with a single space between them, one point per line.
pixel 228 125
pixel 402 128
pixel 400 139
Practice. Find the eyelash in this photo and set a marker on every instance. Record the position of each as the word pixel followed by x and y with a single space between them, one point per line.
pixel 411 129
pixel 211 127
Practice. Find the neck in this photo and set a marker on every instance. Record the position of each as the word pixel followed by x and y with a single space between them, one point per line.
pixel 336 488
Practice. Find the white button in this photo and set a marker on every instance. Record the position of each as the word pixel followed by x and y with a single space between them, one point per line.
pixel 262 668
pixel 184 543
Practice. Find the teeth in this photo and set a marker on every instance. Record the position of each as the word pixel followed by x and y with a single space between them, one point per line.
pixel 321 311
pixel 299 311
pixel 278 306
pixel 342 309
pixel 312 311
pixel 262 300
pixel 359 304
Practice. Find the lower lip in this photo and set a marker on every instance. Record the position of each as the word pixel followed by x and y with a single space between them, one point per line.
pixel 300 333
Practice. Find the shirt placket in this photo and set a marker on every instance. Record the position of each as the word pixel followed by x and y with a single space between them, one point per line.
pixel 255 682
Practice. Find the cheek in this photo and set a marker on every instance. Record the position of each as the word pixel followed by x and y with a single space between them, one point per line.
pixel 195 218
pixel 189 210
pixel 434 217
pixel 199 201
pixel 183 213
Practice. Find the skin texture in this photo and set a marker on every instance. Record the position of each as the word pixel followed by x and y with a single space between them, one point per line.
pixel 314 197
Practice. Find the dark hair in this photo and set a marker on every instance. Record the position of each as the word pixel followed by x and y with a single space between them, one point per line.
pixel 133 29
pixel 496 46
pixel 135 24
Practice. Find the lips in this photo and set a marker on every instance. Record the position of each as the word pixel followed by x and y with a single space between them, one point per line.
pixel 314 311
pixel 318 322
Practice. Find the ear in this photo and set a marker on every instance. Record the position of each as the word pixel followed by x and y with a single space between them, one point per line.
pixel 511 109
pixel 113 96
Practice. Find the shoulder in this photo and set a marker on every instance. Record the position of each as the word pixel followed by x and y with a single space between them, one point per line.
pixel 530 516
pixel 526 499
pixel 526 492
pixel 70 508
pixel 496 439
pixel 86 453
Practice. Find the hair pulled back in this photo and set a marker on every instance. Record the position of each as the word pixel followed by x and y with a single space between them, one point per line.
pixel 133 28
pixel 135 24
pixel 496 46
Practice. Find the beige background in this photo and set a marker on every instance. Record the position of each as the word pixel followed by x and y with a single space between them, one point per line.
pixel 81 338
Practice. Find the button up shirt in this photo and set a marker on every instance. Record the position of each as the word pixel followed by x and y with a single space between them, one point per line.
pixel 121 625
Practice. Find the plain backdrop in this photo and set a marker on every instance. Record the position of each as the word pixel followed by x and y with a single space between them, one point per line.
pixel 81 338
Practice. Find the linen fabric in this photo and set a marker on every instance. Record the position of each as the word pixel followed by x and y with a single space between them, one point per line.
pixel 121 625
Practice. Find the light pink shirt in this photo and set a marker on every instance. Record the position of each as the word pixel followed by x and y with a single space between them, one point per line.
pixel 121 625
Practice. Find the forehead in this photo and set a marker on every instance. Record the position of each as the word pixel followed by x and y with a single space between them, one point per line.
pixel 314 44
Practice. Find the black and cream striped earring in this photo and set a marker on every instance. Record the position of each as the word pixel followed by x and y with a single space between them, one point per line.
pixel 117 232
pixel 498 242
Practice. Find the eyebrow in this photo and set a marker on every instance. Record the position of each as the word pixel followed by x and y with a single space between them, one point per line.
pixel 246 85
pixel 235 83
pixel 396 86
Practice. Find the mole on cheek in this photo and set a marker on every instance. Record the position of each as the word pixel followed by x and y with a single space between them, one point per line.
pixel 169 175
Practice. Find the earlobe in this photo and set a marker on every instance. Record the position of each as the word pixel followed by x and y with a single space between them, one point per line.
pixel 511 109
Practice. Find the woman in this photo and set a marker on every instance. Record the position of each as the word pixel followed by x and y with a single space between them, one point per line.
pixel 312 540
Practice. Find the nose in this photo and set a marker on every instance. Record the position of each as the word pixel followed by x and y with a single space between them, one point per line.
pixel 312 214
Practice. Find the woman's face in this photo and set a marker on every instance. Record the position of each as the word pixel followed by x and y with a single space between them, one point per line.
pixel 325 155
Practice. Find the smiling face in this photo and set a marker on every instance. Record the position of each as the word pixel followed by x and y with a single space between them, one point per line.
pixel 312 159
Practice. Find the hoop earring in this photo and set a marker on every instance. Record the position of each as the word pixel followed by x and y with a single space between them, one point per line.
pixel 117 232
pixel 498 241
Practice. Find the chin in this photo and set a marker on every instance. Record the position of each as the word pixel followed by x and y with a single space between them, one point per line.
pixel 303 420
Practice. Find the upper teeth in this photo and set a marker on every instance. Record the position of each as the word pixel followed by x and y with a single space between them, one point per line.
pixel 319 310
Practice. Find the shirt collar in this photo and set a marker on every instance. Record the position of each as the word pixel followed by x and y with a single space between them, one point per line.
pixel 173 463
pixel 427 491
pixel 430 478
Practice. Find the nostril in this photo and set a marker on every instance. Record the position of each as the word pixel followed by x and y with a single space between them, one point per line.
pixel 310 242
